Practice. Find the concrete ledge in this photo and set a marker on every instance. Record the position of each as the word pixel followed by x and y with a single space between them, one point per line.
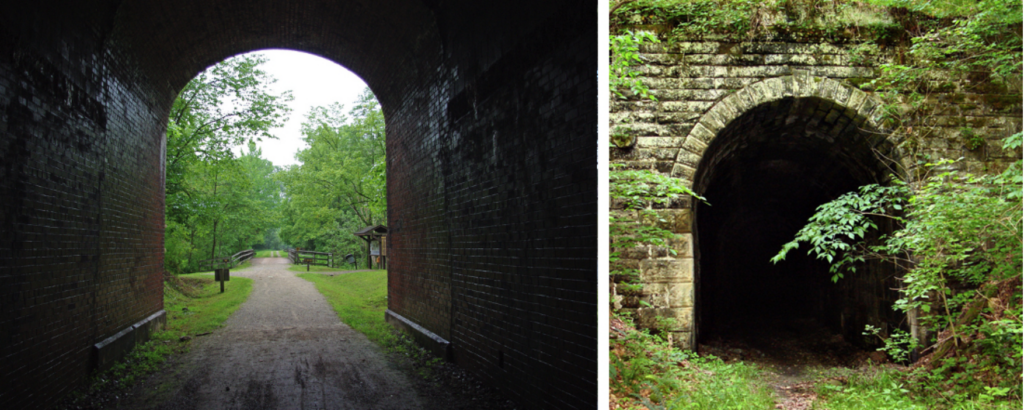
pixel 430 341
pixel 113 348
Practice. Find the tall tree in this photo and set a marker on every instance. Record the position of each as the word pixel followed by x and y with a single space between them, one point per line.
pixel 218 202
pixel 340 185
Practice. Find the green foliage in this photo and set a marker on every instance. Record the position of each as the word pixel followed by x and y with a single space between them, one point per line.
pixel 898 345
pixel 646 370
pixel 960 233
pixel 876 389
pixel 739 20
pixel 837 226
pixel 638 191
pixel 981 42
pixel 625 55
pixel 891 388
pixel 195 305
pixel 340 185
pixel 642 188
pixel 217 202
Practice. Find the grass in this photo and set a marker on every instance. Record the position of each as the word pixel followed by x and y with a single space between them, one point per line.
pixel 648 372
pixel 885 388
pixel 197 306
pixel 359 299
pixel 317 268
pixel 194 307
pixel 267 252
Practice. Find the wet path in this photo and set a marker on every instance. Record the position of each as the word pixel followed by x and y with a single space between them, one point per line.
pixel 283 349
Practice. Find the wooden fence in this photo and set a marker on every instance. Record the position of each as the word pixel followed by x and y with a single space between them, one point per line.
pixel 311 258
pixel 227 262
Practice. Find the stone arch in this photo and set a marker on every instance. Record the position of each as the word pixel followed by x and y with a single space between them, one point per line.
pixel 855 103
pixel 765 157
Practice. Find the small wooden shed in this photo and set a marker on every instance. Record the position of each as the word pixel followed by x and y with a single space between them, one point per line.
pixel 376 245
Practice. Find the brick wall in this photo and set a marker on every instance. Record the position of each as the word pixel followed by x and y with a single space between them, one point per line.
pixel 491 125
pixel 81 211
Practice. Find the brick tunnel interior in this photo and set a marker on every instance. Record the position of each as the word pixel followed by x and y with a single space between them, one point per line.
pixel 764 175
pixel 491 113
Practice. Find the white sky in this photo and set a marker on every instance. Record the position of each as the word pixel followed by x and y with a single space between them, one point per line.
pixel 314 81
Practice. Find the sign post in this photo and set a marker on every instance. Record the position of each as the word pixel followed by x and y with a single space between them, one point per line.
pixel 222 275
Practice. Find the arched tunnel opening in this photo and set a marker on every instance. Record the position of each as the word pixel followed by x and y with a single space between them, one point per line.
pixel 491 185
pixel 764 175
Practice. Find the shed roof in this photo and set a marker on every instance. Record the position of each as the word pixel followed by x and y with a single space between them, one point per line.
pixel 375 230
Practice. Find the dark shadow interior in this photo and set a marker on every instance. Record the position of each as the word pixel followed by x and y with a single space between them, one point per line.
pixel 764 175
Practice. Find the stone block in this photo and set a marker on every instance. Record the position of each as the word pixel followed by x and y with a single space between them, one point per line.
pixel 682 244
pixel 682 340
pixel 678 130
pixel 622 214
pixel 682 317
pixel 660 142
pixel 689 94
pixel 686 106
pixel 668 295
pixel 624 264
pixel 683 172
pixel 688 158
pixel 694 146
pixel 694 47
pixel 701 133
pixel 688 117
pixel 676 220
pixel 666 270
pixel 764 71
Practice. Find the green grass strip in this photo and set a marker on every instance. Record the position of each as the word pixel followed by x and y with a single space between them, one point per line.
pixel 315 268
pixel 360 299
pixel 266 253
pixel 206 310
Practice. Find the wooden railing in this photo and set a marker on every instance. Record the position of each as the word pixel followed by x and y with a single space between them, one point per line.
pixel 227 262
pixel 311 258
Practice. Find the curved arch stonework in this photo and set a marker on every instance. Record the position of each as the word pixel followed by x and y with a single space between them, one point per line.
pixel 704 86
pixel 858 104
pixel 670 281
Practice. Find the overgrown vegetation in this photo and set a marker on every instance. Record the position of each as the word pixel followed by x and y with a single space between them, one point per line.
pixel 646 370
pixel 959 250
pixel 194 307
pixel 738 20
pixel 958 242
pixel 639 226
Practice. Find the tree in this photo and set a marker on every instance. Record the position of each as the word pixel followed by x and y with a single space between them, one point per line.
pixel 341 184
pixel 217 202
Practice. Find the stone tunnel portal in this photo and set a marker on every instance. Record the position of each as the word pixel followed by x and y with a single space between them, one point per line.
pixel 763 176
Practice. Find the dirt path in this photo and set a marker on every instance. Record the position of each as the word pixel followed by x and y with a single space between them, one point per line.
pixel 283 349
pixel 795 356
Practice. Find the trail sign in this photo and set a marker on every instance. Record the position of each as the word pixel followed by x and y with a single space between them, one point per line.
pixel 221 275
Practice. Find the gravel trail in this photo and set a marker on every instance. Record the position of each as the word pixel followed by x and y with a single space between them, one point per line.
pixel 284 348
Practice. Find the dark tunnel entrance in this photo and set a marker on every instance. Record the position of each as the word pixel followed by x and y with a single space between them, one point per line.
pixel 763 175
